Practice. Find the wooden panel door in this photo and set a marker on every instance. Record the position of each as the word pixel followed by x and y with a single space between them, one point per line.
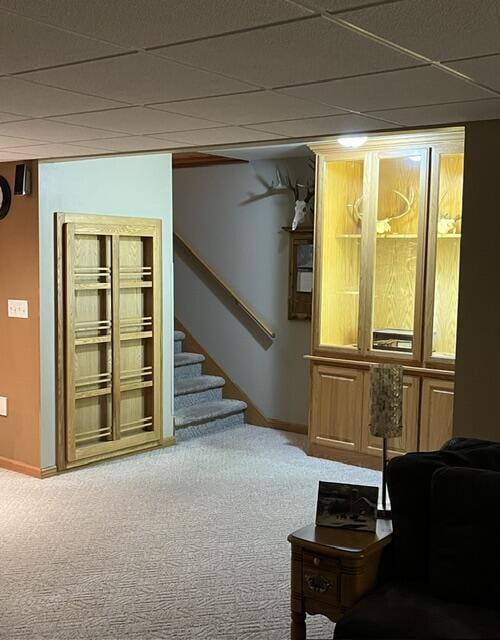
pixel 112 336
pixel 336 409
pixel 436 421
pixel 409 438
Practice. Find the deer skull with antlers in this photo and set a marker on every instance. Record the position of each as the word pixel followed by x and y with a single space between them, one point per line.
pixel 301 204
pixel 383 226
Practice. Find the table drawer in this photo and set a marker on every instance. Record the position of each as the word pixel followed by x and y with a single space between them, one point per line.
pixel 321 577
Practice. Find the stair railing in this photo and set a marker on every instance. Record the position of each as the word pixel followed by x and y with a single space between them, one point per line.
pixel 244 306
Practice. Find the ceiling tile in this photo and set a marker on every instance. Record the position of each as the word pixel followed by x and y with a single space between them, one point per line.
pixel 29 45
pixel 332 5
pixel 7 142
pixel 32 100
pixel 444 113
pixel 48 131
pixel 131 143
pixel 411 87
pixel 247 108
pixel 221 135
pixel 146 23
pixel 438 29
pixel 293 53
pixel 138 79
pixel 485 70
pixel 137 121
pixel 7 156
pixel 37 151
pixel 323 126
pixel 9 117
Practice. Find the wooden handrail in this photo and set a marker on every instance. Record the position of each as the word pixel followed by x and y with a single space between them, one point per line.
pixel 231 293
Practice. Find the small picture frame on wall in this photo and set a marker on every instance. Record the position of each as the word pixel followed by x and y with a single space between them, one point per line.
pixel 347 506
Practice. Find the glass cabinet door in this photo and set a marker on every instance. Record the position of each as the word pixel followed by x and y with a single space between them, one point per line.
pixel 444 253
pixel 344 203
pixel 397 243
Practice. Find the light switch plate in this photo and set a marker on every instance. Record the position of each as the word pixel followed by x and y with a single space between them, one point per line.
pixel 17 308
pixel 3 406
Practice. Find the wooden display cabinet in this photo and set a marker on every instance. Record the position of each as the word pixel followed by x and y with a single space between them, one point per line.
pixel 109 336
pixel 387 247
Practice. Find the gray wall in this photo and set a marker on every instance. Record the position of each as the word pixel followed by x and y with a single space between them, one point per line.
pixel 139 186
pixel 244 243
pixel 477 388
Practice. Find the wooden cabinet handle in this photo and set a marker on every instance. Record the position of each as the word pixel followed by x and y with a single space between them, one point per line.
pixel 316 562
pixel 318 584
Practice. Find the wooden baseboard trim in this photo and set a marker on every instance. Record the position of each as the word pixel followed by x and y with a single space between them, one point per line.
pixel 355 458
pixel 20 467
pixel 291 427
pixel 232 390
pixel 48 472
pixel 169 441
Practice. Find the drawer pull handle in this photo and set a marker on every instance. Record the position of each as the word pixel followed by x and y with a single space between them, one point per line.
pixel 316 562
pixel 318 584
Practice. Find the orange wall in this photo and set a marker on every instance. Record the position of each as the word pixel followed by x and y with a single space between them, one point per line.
pixel 19 338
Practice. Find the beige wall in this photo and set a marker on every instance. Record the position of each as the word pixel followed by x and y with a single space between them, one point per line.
pixel 19 338
pixel 478 349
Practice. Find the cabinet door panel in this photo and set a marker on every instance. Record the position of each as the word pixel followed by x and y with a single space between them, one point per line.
pixel 436 425
pixel 409 438
pixel 336 410
pixel 343 194
pixel 443 260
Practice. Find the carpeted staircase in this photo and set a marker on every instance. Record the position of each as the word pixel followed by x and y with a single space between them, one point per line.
pixel 198 398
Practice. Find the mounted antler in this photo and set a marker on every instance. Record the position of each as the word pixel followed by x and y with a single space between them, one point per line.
pixel 355 209
pixel 384 225
pixel 281 185
pixel 410 201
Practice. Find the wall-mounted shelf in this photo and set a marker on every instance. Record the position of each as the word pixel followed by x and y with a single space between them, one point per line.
pixel 110 372
pixel 300 272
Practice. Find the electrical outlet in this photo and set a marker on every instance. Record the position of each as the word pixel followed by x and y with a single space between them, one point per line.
pixel 17 308
pixel 3 406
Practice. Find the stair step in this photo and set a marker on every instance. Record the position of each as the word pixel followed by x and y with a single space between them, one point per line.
pixel 187 365
pixel 208 412
pixel 197 384
pixel 179 335
pixel 185 359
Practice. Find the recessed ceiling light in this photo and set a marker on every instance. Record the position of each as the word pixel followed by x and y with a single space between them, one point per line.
pixel 352 142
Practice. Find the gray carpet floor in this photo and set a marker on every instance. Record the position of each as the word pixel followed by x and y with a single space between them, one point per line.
pixel 180 543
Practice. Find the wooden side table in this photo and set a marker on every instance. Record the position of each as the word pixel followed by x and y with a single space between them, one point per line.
pixel 332 569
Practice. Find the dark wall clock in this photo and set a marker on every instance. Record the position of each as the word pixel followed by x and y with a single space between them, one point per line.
pixel 5 197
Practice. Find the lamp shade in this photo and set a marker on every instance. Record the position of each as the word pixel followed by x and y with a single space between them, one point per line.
pixel 386 406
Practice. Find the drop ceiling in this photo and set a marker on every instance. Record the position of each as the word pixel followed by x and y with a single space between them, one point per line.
pixel 108 76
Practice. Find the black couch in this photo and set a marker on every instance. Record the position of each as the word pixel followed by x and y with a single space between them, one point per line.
pixel 441 574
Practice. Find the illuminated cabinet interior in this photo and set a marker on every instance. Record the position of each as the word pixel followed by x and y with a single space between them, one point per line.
pixel 387 249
